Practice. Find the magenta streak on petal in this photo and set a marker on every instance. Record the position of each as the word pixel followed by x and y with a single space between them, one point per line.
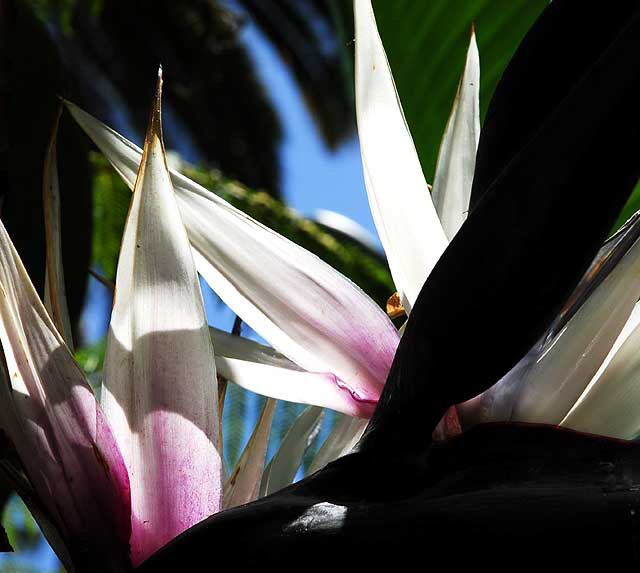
pixel 118 474
pixel 313 315
pixel 159 386
pixel 374 353
pixel 51 415
pixel 363 407
pixel 178 464
pixel 75 466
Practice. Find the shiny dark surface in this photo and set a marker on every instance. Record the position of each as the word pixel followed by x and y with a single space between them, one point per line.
pixel 500 496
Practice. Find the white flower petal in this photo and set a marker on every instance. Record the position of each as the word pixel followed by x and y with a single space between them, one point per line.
pixel 55 298
pixel 569 361
pixel 344 436
pixel 403 212
pixel 546 384
pixel 244 484
pixel 299 304
pixel 284 465
pixel 159 390
pixel 265 371
pixel 609 405
pixel 457 155
pixel 50 414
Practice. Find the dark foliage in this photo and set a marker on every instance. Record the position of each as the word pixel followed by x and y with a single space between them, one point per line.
pixel 32 78
pixel 211 87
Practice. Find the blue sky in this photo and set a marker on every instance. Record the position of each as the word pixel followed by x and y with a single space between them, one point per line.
pixel 313 177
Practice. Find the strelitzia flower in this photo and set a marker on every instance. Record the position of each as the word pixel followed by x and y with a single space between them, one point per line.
pixel 110 486
pixel 335 345
pixel 582 374
pixel 536 221
pixel 159 392
pixel 160 400
pixel 155 450
pixel 325 325
pixel 117 485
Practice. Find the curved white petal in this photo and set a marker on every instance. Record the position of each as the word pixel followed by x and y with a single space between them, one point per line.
pixel 548 381
pixel 570 360
pixel 265 371
pixel 55 298
pixel 244 484
pixel 344 436
pixel 457 155
pixel 299 304
pixel 159 390
pixel 403 212
pixel 609 406
pixel 50 414
pixel 284 465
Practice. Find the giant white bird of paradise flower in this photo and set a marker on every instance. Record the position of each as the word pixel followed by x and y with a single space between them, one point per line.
pixel 112 485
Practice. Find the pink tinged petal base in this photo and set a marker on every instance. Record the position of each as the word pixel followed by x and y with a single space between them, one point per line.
pixel 303 307
pixel 51 415
pixel 263 370
pixel 159 392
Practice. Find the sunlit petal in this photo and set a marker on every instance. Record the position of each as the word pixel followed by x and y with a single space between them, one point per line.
pixel 51 415
pixel 609 405
pixel 284 465
pixel 159 390
pixel 244 484
pixel 569 360
pixel 265 371
pixel 299 304
pixel 403 212
pixel 545 385
pixel 457 156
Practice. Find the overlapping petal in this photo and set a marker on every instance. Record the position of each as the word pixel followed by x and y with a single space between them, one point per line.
pixel 609 405
pixel 64 442
pixel 159 391
pixel 243 485
pixel 457 156
pixel 553 376
pixel 263 370
pixel 299 304
pixel 55 298
pixel 282 469
pixel 402 209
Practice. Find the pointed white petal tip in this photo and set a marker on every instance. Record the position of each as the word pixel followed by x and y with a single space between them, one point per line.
pixel 159 390
pixel 409 229
pixel 299 304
